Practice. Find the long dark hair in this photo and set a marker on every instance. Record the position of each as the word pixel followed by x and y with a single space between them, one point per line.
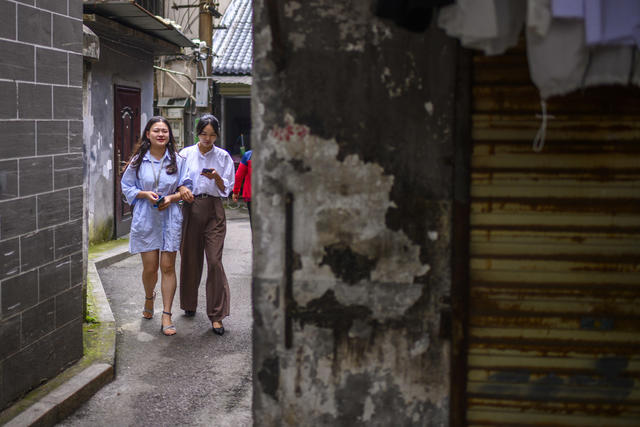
pixel 143 146
pixel 208 119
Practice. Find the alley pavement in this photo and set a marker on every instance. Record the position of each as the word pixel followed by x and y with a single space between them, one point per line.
pixel 194 378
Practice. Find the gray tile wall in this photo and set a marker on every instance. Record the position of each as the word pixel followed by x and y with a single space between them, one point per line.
pixel 41 194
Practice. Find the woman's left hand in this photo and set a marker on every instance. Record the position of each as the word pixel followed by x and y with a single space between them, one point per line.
pixel 210 175
pixel 166 202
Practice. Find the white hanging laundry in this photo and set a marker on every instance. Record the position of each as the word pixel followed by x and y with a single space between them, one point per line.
pixel 492 26
pixel 558 61
pixel 609 65
pixel 539 16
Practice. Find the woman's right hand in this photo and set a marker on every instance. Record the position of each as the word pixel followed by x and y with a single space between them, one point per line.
pixel 149 195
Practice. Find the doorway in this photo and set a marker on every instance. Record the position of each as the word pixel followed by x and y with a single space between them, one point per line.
pixel 126 130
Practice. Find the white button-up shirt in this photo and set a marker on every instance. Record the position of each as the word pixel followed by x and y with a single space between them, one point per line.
pixel 217 159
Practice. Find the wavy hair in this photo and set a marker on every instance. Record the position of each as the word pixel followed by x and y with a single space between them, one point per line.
pixel 143 146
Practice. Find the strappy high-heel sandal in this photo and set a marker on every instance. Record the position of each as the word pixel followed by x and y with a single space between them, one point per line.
pixel 164 329
pixel 145 310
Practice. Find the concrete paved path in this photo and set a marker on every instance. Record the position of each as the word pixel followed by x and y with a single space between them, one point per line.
pixel 194 378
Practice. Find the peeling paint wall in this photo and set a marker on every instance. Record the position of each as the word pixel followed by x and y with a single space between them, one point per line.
pixel 353 122
pixel 118 65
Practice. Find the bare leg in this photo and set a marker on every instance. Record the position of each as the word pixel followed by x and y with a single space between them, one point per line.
pixel 149 278
pixel 168 286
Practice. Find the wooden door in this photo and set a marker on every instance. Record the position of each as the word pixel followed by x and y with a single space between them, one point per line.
pixel 126 133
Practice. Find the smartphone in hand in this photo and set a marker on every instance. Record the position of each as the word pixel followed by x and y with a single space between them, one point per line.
pixel 207 170
pixel 159 202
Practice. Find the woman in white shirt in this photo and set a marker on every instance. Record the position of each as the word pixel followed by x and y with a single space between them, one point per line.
pixel 212 172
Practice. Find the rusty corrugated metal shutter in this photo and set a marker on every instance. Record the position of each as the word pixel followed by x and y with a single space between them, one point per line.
pixel 554 322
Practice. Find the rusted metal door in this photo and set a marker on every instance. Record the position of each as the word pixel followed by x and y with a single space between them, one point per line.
pixel 554 307
pixel 126 133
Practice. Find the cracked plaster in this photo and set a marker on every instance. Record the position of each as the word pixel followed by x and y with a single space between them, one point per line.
pixel 352 215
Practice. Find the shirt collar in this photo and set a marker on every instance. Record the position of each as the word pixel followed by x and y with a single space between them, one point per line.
pixel 148 157
pixel 208 153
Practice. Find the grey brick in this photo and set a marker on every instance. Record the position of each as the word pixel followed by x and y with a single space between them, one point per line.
pixel 77 269
pixel 67 33
pixel 9 336
pixel 9 258
pixel 67 103
pixel 69 306
pixel 16 61
pixel 31 2
pixel 35 175
pixel 45 358
pixel 68 238
pixel 75 137
pixel 67 170
pixel 53 208
pixel 8 100
pixel 51 66
pixel 38 321
pixel 8 27
pixel 76 207
pixel 75 69
pixel 53 137
pixel 8 179
pixel 53 278
pixel 36 249
pixel 17 217
pixel 34 101
pixel 19 293
pixel 34 26
pixel 75 8
pixel 18 139
pixel 59 6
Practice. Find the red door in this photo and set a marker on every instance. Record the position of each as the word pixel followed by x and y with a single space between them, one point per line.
pixel 126 134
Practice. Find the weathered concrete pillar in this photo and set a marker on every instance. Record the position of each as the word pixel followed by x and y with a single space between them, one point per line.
pixel 353 123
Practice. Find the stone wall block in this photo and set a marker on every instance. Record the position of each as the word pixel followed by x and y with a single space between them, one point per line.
pixel 53 208
pixel 67 33
pixel 53 137
pixel 36 249
pixel 67 170
pixel 8 100
pixel 18 139
pixel 18 217
pixel 8 179
pixel 35 175
pixel 34 26
pixel 34 101
pixel 53 278
pixel 19 293
pixel 51 66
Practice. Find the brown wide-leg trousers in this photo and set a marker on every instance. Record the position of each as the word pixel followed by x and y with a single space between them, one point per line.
pixel 204 227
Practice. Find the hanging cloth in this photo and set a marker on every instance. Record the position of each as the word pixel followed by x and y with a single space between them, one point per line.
pixel 492 26
pixel 612 22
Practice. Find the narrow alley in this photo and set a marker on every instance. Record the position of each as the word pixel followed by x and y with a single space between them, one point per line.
pixel 194 378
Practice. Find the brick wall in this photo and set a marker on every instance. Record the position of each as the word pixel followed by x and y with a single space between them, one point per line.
pixel 41 194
